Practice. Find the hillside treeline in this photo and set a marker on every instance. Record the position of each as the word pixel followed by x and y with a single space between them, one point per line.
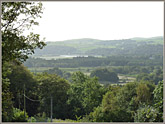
pixel 97 61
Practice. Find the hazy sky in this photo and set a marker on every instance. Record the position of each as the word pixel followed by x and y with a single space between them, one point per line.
pixel 100 20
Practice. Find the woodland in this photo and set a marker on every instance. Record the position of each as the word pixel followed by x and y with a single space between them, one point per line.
pixel 112 81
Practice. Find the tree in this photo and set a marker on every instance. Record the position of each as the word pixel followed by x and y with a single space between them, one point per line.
pixel 143 93
pixel 85 94
pixel 153 112
pixel 143 76
pixel 51 85
pixel 157 75
pixel 7 104
pixel 110 110
pixel 120 103
pixel 146 113
pixel 105 75
pixel 20 77
pixel 158 98
pixel 59 72
pixel 55 71
pixel 127 96
pixel 154 77
pixel 17 17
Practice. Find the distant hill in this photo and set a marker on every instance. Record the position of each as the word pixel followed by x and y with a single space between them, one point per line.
pixel 155 40
pixel 87 46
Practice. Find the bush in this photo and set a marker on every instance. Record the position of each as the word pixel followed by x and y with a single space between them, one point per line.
pixel 32 119
pixel 18 116
pixel 41 117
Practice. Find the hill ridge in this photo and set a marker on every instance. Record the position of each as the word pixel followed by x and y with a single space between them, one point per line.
pixel 88 46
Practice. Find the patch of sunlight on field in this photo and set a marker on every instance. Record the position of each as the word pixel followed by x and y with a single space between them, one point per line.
pixel 39 69
pixel 126 78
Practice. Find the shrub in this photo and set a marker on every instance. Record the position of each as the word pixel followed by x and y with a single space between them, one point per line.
pixel 18 116
pixel 32 119
pixel 41 117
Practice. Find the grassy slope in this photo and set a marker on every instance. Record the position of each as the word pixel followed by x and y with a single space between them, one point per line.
pixel 156 40
pixel 80 46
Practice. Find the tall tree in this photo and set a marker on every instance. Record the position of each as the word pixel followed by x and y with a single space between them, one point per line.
pixel 15 19
pixel 55 87
pixel 7 104
pixel 22 79
pixel 84 95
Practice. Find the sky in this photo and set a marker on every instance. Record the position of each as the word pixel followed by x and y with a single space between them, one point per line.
pixel 100 20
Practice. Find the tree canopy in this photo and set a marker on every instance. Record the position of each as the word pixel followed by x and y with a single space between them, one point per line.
pixel 16 18
pixel 105 75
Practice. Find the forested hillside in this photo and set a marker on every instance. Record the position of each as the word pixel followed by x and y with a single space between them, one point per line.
pixel 134 46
